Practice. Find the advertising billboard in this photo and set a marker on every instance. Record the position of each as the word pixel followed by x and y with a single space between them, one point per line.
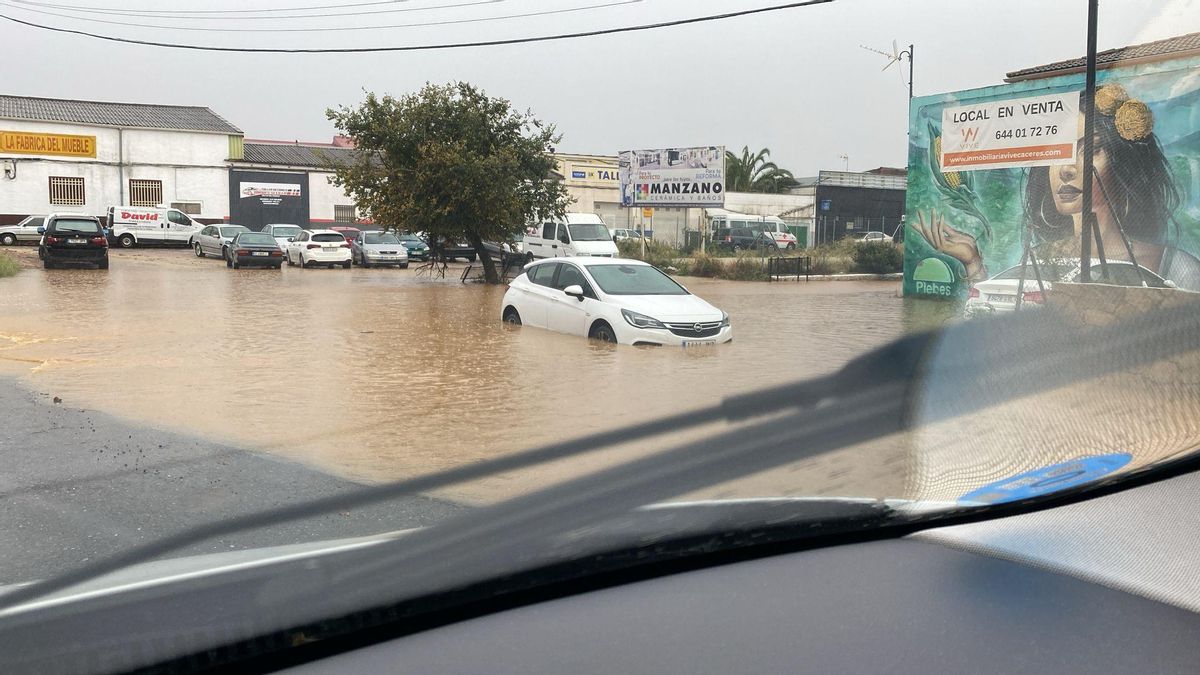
pixel 992 169
pixel 673 177
pixel 258 198
pixel 39 143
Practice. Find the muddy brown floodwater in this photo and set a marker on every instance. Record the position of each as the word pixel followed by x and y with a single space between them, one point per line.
pixel 381 374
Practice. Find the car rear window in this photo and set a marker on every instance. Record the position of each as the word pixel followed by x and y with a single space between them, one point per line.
pixel 256 238
pixel 82 225
pixel 328 236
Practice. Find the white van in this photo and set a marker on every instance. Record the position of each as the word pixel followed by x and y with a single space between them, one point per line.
pixel 772 225
pixel 579 234
pixel 131 225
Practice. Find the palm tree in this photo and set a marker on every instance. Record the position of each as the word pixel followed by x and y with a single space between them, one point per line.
pixel 755 173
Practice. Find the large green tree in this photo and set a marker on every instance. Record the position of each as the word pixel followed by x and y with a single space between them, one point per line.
pixel 452 162
pixel 755 172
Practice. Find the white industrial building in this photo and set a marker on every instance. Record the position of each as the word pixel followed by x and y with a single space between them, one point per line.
pixel 84 156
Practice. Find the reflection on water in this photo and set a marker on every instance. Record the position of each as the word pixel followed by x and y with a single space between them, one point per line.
pixel 379 374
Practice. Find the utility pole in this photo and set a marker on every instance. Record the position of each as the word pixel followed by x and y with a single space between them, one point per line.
pixel 1089 120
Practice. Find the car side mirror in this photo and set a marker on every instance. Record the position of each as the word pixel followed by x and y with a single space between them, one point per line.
pixel 575 291
pixel 41 229
pixel 1169 284
pixel 291 239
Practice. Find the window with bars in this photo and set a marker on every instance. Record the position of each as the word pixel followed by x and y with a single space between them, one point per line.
pixel 343 213
pixel 66 191
pixel 190 208
pixel 145 192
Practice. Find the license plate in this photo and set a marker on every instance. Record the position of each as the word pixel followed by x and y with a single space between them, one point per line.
pixel 76 241
pixel 1006 299
pixel 259 253
pixel 699 343
pixel 329 249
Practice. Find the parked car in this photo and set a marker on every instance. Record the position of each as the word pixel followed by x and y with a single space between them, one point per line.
pixel 133 225
pixel 623 234
pixel 612 300
pixel 455 249
pixel 253 249
pixel 998 295
pixel 578 234
pixel 214 239
pixel 370 249
pixel 72 239
pixel 743 239
pixel 874 237
pixel 416 246
pixel 282 232
pixel 26 230
pixel 318 247
pixel 350 233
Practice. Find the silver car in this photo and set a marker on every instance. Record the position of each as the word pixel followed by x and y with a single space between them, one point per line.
pixel 214 239
pixel 283 232
pixel 26 230
pixel 378 248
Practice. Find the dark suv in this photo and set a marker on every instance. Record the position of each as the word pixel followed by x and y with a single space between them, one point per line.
pixel 70 239
pixel 742 238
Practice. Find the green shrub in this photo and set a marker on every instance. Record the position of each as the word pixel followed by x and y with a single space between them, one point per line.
pixel 704 265
pixel 659 254
pixel 746 267
pixel 877 258
pixel 830 259
pixel 8 266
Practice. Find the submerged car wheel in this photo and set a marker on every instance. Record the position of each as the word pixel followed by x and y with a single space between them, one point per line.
pixel 603 332
pixel 8 239
pixel 199 251
pixel 512 316
pixel 346 265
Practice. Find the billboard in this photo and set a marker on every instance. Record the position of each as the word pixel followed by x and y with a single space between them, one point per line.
pixel 258 198
pixel 39 143
pixel 992 168
pixel 673 177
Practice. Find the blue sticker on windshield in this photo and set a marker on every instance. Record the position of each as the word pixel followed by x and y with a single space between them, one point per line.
pixel 1047 479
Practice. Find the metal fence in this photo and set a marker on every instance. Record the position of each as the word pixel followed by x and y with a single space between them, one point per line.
pixel 788 266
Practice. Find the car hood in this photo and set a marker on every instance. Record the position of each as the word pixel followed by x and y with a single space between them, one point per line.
pixel 605 247
pixel 1009 286
pixel 670 307
pixel 374 248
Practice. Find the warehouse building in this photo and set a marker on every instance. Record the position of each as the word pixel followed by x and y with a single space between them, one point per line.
pixel 84 156
pixel 289 182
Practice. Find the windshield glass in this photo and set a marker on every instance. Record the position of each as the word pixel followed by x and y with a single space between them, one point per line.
pixel 148 389
pixel 589 232
pixel 67 225
pixel 634 280
pixel 250 238
pixel 232 230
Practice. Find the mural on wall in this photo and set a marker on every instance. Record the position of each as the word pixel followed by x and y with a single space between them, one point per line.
pixel 992 170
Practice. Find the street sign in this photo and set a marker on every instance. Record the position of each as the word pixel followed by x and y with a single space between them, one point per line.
pixel 647 213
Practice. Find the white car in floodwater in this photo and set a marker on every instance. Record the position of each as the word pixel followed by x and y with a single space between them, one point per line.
pixel 612 300
pixel 998 295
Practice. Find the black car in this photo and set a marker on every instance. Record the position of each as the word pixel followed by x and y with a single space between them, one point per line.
pixel 73 240
pixel 253 249
pixel 742 238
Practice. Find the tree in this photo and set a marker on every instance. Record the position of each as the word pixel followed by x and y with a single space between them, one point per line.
pixel 452 162
pixel 755 173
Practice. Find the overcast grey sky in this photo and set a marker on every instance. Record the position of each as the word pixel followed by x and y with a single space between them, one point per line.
pixel 795 81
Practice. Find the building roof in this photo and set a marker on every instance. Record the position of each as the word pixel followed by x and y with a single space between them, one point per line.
pixel 139 115
pixel 1147 51
pixel 308 155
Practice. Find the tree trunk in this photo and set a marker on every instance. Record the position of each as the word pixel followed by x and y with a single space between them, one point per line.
pixel 490 275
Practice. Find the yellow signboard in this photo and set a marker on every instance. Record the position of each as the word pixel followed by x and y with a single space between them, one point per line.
pixel 647 212
pixel 34 143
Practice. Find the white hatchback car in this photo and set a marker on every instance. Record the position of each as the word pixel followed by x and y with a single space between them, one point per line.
pixel 318 247
pixel 612 300
pixel 998 295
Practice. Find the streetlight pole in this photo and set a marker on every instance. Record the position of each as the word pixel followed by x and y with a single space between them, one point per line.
pixel 1089 125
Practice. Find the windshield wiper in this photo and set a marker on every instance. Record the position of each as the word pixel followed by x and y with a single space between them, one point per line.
pixel 976 366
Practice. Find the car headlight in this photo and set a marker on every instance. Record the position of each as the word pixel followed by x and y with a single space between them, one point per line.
pixel 724 320
pixel 641 320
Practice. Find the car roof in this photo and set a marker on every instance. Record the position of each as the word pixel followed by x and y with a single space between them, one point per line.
pixel 324 232
pixel 281 225
pixel 587 261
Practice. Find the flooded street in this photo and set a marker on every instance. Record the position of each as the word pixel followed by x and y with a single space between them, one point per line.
pixel 383 374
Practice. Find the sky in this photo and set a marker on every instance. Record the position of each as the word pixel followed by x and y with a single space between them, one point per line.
pixel 796 81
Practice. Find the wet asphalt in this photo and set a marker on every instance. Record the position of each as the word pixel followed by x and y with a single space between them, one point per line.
pixel 77 485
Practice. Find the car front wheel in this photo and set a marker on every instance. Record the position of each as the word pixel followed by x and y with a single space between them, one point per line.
pixel 511 316
pixel 8 239
pixel 126 241
pixel 199 251
pixel 603 332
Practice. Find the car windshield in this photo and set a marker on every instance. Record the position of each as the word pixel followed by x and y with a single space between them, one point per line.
pixel 256 238
pixel 232 230
pixel 466 432
pixel 68 225
pixel 589 232
pixel 634 280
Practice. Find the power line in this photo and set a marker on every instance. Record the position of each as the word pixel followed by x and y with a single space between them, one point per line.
pixel 325 29
pixel 416 48
pixel 163 15
pixel 121 10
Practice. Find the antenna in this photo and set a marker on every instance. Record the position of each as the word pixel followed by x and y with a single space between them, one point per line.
pixel 895 56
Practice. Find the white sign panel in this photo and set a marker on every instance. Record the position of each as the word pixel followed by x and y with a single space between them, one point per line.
pixel 1032 131
pixel 269 189
pixel 673 177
